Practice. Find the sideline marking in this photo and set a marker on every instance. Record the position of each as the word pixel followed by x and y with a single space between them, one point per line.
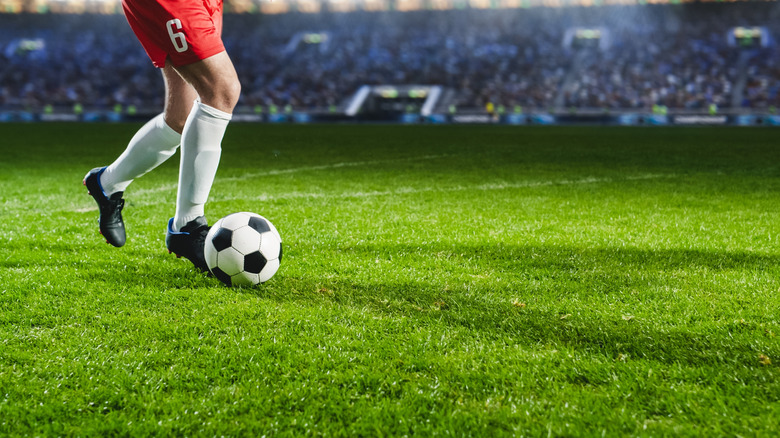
pixel 407 190
pixel 296 170
pixel 480 187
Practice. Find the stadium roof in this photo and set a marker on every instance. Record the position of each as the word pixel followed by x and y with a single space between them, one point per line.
pixel 315 6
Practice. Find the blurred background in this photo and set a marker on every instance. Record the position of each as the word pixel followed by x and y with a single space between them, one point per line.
pixel 510 61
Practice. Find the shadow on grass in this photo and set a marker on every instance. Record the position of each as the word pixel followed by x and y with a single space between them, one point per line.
pixel 437 288
pixel 64 265
pixel 489 310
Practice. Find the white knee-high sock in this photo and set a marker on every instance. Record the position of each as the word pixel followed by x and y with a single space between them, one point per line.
pixel 201 146
pixel 154 143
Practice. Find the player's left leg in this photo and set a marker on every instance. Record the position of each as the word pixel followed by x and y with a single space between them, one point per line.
pixel 110 207
pixel 179 98
pixel 157 140
pixel 152 145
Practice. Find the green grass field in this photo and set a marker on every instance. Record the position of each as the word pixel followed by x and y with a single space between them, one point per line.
pixel 437 280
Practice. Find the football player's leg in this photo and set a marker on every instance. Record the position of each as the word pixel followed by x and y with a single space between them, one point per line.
pixel 179 97
pixel 216 83
pixel 156 141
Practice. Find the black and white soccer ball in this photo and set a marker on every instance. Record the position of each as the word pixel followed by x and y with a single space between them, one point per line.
pixel 243 249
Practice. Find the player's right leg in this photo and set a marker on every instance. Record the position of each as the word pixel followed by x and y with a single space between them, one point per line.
pixel 217 86
pixel 185 36
pixel 185 241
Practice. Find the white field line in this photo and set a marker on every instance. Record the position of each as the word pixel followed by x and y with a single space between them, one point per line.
pixel 416 190
pixel 172 187
pixel 246 176
pixel 397 191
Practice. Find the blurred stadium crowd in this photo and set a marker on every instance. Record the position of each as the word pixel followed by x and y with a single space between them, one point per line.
pixel 671 55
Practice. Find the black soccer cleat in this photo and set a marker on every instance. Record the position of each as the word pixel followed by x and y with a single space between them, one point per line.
pixel 189 241
pixel 111 225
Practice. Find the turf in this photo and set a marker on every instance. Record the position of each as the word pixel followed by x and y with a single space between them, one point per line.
pixel 437 280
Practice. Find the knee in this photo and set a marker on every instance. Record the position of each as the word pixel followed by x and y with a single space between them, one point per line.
pixel 233 93
pixel 215 81
pixel 224 94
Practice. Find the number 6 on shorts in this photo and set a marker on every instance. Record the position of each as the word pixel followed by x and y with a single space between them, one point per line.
pixel 177 38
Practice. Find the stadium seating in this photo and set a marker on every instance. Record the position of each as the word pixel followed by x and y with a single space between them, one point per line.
pixel 673 56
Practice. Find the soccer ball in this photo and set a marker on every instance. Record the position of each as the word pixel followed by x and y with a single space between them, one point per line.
pixel 243 249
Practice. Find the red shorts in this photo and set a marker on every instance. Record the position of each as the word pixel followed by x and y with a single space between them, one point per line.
pixel 185 31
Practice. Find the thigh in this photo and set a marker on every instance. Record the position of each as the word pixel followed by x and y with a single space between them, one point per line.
pixel 215 80
pixel 184 31
pixel 179 98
